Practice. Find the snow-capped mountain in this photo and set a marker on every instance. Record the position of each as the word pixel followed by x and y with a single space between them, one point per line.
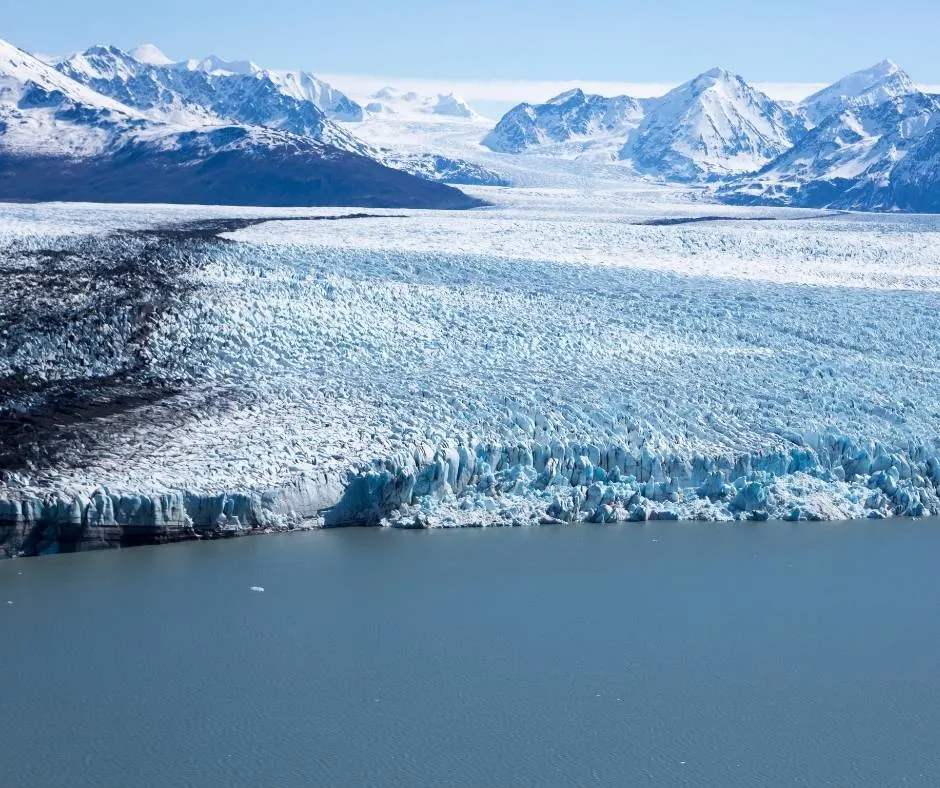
pixel 443 169
pixel 391 101
pixel 573 115
pixel 868 87
pixel 299 85
pixel 712 126
pixel 869 141
pixel 709 127
pixel 875 151
pixel 62 140
pixel 915 179
pixel 215 91
pixel 43 113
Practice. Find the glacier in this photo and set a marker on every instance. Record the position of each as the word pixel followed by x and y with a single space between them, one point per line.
pixel 566 355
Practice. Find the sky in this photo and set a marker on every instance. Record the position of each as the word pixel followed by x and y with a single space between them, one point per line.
pixel 508 45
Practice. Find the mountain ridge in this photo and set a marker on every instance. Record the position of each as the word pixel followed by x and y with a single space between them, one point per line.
pixel 60 139
pixel 213 91
pixel 865 142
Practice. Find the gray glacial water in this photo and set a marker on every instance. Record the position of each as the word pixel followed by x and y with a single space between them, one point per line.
pixel 667 654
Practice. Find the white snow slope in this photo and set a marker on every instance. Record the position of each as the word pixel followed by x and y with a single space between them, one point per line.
pixel 555 358
pixel 869 87
pixel 713 125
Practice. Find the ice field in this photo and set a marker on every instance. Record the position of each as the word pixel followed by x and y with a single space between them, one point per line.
pixel 565 355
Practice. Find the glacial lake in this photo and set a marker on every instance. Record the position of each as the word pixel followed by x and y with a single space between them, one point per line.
pixel 664 655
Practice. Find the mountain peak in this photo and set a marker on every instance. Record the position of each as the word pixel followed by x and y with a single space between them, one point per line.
pixel 587 122
pixel 561 98
pixel 713 125
pixel 213 63
pixel 390 100
pixel 150 54
pixel 451 104
pixel 716 73
pixel 884 69
pixel 105 50
pixel 873 85
pixel 714 76
pixel 888 66
pixel 388 92
pixel 19 70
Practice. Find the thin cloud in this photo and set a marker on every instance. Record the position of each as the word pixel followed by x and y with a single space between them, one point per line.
pixel 507 91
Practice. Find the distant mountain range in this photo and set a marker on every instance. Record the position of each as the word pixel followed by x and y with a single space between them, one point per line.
pixel 873 146
pixel 111 125
pixel 867 142
pixel 390 101
pixel 572 117
pixel 106 124
pixel 213 90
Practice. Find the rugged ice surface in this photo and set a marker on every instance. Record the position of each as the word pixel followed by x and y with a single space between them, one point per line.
pixel 566 355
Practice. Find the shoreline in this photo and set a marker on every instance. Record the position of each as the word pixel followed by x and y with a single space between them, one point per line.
pixel 125 537
pixel 430 372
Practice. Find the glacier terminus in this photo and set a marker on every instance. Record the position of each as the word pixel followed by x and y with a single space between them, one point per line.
pixel 560 357
pixel 239 299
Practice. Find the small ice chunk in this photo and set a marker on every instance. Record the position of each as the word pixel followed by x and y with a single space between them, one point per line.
pixel 258 589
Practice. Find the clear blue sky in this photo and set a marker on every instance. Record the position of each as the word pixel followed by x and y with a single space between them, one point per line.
pixel 787 40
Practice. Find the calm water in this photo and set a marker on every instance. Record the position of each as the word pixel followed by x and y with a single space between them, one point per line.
pixel 687 655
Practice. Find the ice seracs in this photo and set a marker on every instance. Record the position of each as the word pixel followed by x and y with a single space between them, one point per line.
pixel 398 369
